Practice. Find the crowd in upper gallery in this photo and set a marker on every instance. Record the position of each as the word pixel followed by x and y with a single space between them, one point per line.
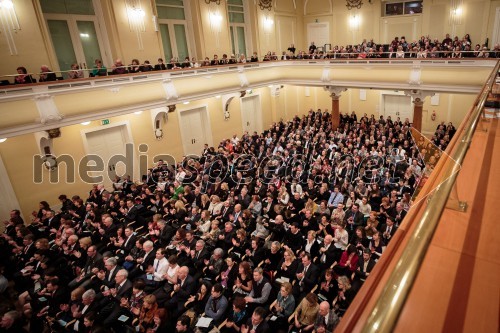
pixel 399 48
pixel 276 230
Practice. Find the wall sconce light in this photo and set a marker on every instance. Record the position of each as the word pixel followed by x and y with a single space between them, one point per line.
pixel 9 24
pixel 456 12
pixel 354 22
pixel 268 23
pixel 208 2
pixel 216 25
pixel 136 15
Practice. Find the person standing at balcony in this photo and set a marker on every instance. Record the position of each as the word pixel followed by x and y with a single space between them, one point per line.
pixel 46 74
pixel 312 48
pixel 292 49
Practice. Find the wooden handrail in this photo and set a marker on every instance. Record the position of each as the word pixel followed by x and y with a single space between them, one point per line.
pixel 409 245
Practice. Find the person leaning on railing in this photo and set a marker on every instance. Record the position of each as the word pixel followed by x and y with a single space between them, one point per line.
pixel 75 72
pixel 99 69
pixel 46 74
pixel 23 76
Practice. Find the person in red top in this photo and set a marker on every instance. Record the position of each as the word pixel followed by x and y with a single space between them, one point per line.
pixel 348 262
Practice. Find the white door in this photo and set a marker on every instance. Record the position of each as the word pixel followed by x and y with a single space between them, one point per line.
pixel 107 143
pixel 193 130
pixel 251 114
pixel 398 106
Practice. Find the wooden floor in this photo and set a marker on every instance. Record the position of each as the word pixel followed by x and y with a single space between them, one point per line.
pixel 458 285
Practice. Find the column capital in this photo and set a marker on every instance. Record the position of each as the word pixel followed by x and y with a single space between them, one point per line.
pixel 335 92
pixel 418 96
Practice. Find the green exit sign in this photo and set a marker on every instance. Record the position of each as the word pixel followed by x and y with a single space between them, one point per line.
pixel 105 121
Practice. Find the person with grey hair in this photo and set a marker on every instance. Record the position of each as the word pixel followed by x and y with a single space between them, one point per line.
pixel 107 278
pixel 11 322
pixel 326 320
pixel 88 305
pixel 214 264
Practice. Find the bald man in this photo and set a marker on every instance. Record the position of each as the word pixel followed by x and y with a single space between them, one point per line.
pixel 327 320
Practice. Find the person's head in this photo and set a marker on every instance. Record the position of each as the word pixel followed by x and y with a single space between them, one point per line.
pixel 160 254
pixel 21 70
pixel 183 272
pixel 183 323
pixel 289 255
pixel 324 308
pixel 366 254
pixel 149 302
pixel 343 282
pixel 312 299
pixel 9 318
pixel 257 274
pixel 286 289
pixel 306 259
pixel 148 246
pixel 88 297
pixel 217 290
pixel 258 316
pixel 88 319
pixel 218 253
pixel 121 276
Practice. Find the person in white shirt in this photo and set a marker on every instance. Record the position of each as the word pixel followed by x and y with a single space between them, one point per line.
pixel 172 270
pixel 160 266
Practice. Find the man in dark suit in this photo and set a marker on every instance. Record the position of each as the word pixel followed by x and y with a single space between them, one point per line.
pixel 257 323
pixel 93 265
pixel 198 256
pixel 306 277
pixel 225 212
pixel 185 287
pixel 145 261
pixel 353 218
pixel 165 233
pixel 327 252
pixel 388 230
pixel 113 296
pixel 365 266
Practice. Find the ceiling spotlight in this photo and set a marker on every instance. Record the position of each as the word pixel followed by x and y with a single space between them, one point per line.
pixel 218 96
pixel 185 103
pixel 3 140
pixel 85 123
pixel 137 112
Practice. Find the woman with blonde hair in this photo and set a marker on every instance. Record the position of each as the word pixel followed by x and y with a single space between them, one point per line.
pixel 287 266
pixel 148 312
pixel 215 206
pixel 205 202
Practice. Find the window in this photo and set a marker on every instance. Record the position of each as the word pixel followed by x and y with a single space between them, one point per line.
pixel 173 25
pixel 403 8
pixel 237 26
pixel 74 32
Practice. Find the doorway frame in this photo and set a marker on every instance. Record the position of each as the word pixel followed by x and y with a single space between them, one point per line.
pixel 260 115
pixel 206 123
pixel 128 139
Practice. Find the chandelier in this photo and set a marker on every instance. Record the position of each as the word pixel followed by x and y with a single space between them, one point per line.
pixel 266 4
pixel 354 4
pixel 208 2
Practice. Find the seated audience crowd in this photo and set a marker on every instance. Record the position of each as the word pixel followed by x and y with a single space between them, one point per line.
pixel 271 231
pixel 425 47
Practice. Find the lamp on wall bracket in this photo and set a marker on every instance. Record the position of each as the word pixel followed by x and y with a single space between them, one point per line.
pixel 354 4
pixel 9 24
pixel 208 2
pixel 266 4
pixel 456 12
pixel 136 14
